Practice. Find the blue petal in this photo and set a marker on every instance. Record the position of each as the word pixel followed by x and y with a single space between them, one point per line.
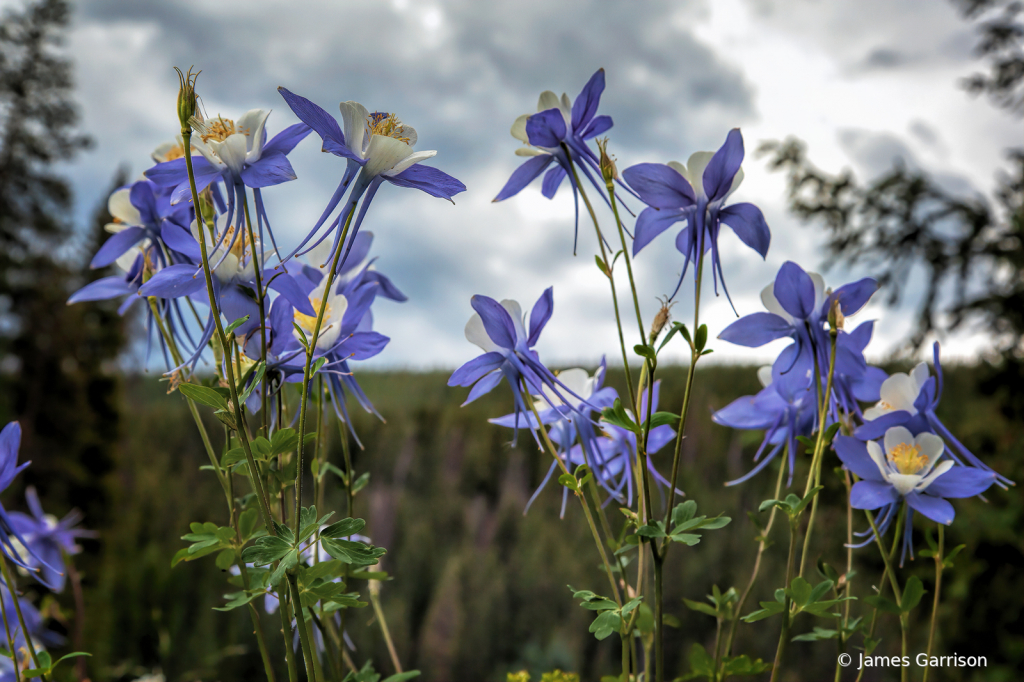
pixel 181 240
pixel 286 140
pixel 546 129
pixel 270 170
pixel 854 454
pixel 497 322
pixel 173 282
pixel 428 179
pixel 101 290
pixel 10 442
pixel 935 508
pixel 141 197
pixel 363 345
pixel 852 296
pixel 169 173
pixel 552 180
pixel 720 171
pixel 475 369
pixel 794 290
pixel 485 385
pixel 540 315
pixel 872 495
pixel 585 106
pixel 961 481
pixel 116 245
pixel 596 127
pixel 523 176
pixel 756 330
pixel 659 185
pixel 652 222
pixel 876 428
pixel 747 221
pixel 744 413
pixel 319 120
pixel 286 285
pixel 204 176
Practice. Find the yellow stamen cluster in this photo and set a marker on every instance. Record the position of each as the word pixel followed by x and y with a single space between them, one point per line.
pixel 218 129
pixel 240 247
pixel 908 458
pixel 175 152
pixel 885 406
pixel 387 125
pixel 308 322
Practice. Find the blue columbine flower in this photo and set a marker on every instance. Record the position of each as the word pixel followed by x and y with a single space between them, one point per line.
pixel 378 147
pixel 10 443
pixel 139 211
pixel 559 132
pixel 798 306
pixel 238 153
pixel 909 468
pixel 696 193
pixel 780 411
pixel 910 400
pixel 49 539
pixel 500 330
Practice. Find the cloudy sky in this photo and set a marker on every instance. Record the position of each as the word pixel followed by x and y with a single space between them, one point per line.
pixel 861 81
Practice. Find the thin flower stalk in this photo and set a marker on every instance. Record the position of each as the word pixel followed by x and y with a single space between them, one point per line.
pixel 261 294
pixel 786 615
pixel 300 622
pixel 888 559
pixel 13 588
pixel 935 603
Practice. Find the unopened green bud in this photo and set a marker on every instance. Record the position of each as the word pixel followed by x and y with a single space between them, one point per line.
pixel 836 319
pixel 608 170
pixel 187 99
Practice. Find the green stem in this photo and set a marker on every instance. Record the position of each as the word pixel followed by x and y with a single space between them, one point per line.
pixel 300 623
pixel 659 618
pixel 887 559
pixel 384 630
pixel 814 478
pixel 761 546
pixel 12 587
pixel 10 641
pixel 286 633
pixel 935 601
pixel 787 616
pixel 254 470
pixel 583 502
pixel 310 349
pixel 625 254
pixel 261 294
pixel 611 282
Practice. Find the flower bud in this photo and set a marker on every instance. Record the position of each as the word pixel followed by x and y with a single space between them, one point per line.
pixel 836 319
pixel 608 170
pixel 187 108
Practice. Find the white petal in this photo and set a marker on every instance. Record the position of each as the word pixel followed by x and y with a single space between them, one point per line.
pixel 577 379
pixel 114 228
pixel 900 392
pixel 477 335
pixel 330 329
pixel 127 259
pixel 875 412
pixel 940 468
pixel 530 151
pixel 231 151
pixel 904 483
pixel 251 125
pixel 160 153
pixel 413 158
pixel 772 304
pixel 120 206
pixel 695 166
pixel 208 152
pixel 678 167
pixel 878 457
pixel 354 114
pixel 920 374
pixel 548 100
pixel 410 132
pixel 318 256
pixel 384 153
pixel 895 436
pixel 519 129
pixel 516 311
pixel 931 446
pixel 764 375
pixel 737 180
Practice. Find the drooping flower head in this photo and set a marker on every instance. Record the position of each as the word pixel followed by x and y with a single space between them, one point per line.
pixel 501 331
pixel 910 401
pixel 378 147
pixel 696 193
pixel 558 133
pixel 909 468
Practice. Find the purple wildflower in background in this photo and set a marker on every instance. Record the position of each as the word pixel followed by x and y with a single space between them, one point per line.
pixel 696 193
pixel 48 539
pixel 909 468
pixel 10 443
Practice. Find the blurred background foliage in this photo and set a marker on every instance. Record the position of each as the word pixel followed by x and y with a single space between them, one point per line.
pixel 479 589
